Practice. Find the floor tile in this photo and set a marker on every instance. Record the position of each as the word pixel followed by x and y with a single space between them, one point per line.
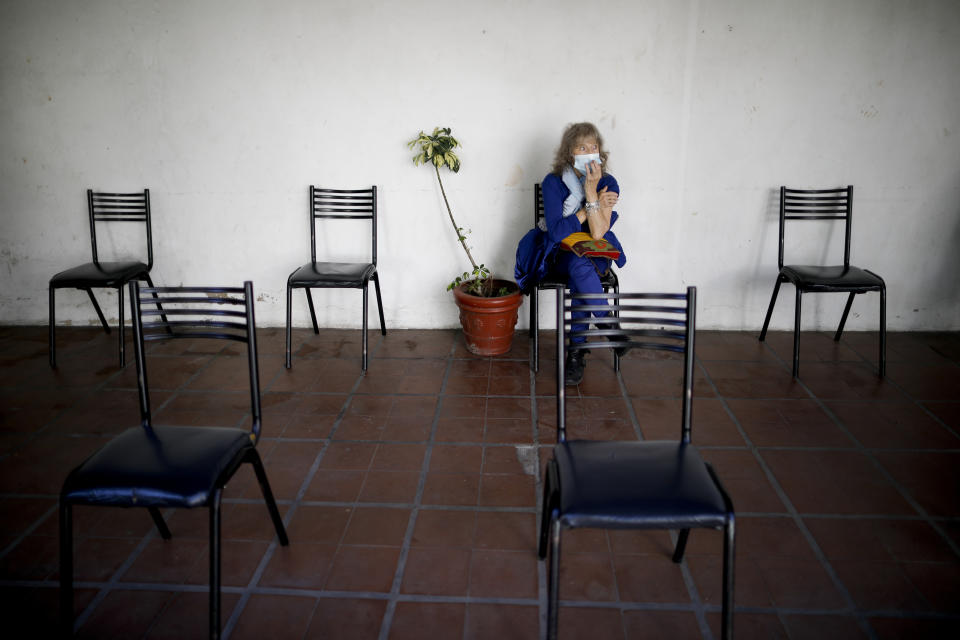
pixel 661 624
pixel 437 571
pixel 427 620
pixel 501 622
pixel 503 574
pixel 343 619
pixel 274 616
pixel 835 482
pixel 125 614
pixel 357 568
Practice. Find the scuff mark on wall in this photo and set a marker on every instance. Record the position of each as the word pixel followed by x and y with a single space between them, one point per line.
pixel 516 175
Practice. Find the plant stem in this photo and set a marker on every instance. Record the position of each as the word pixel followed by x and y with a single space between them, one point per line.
pixel 456 229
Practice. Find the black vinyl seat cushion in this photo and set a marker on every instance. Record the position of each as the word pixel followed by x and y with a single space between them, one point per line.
pixel 103 274
pixel 636 485
pixel 158 466
pixel 333 274
pixel 832 278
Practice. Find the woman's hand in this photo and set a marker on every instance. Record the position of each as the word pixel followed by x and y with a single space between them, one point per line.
pixel 608 199
pixel 593 177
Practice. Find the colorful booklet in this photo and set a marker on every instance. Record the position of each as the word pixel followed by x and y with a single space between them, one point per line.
pixel 583 244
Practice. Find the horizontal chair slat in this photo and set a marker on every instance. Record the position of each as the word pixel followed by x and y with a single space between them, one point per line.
pixel 324 197
pixel 624 307
pixel 656 346
pixel 625 320
pixel 190 334
pixel 193 324
pixel 649 333
pixel 788 191
pixel 151 290
pixel 181 300
pixel 194 312
pixel 632 296
pixel 139 213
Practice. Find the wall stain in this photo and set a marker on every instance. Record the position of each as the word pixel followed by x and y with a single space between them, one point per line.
pixel 516 175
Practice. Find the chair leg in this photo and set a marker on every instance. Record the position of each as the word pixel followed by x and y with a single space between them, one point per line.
pixel 120 332
pixel 535 326
pixel 843 318
pixel 616 313
pixel 215 563
pixel 796 335
pixel 313 313
pixel 729 533
pixel 289 319
pixel 681 545
pixel 773 301
pixel 158 521
pixel 546 511
pixel 96 307
pixel 376 287
pixel 553 582
pixel 364 339
pixel 53 328
pixel 254 458
pixel 883 331
pixel 163 316
pixel 66 569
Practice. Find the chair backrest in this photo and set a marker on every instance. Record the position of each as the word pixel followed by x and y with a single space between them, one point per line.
pixel 817 204
pixel 216 313
pixel 343 204
pixel 119 207
pixel 537 203
pixel 653 321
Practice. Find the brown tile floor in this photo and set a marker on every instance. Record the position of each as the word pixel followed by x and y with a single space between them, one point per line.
pixel 410 494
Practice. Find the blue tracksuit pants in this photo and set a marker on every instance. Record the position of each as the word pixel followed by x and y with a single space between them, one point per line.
pixel 583 276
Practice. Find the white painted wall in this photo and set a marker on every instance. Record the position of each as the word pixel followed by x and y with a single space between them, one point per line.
pixel 228 111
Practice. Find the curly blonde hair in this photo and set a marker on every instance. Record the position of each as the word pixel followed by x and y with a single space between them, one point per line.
pixel 571 136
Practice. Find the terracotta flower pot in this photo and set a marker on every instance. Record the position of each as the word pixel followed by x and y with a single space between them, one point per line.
pixel 488 323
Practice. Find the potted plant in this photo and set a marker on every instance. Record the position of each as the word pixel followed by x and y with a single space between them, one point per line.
pixel 488 306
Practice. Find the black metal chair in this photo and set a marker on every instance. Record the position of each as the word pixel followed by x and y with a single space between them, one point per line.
pixel 557 282
pixel 825 204
pixel 338 204
pixel 633 484
pixel 156 466
pixel 106 207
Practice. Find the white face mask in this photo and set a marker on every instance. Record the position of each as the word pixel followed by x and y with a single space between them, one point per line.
pixel 580 162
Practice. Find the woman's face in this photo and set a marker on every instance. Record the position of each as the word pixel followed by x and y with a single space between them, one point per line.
pixel 587 144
